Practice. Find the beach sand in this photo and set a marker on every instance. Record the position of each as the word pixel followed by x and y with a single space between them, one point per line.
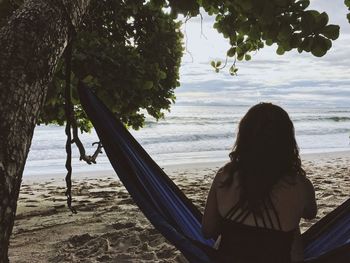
pixel 110 228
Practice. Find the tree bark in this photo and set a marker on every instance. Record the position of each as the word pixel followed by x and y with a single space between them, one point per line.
pixel 30 45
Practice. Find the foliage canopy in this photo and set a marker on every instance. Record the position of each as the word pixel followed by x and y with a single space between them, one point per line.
pixel 130 51
pixel 251 24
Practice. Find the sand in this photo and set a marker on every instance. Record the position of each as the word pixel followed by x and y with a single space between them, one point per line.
pixel 110 228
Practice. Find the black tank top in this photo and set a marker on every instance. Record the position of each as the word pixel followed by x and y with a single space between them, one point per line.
pixel 264 242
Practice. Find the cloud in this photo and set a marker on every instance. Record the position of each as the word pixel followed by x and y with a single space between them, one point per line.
pixel 298 79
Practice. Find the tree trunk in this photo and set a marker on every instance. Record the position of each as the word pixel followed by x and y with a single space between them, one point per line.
pixel 30 45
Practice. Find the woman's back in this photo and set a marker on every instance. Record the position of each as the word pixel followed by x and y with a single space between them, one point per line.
pixel 265 237
pixel 271 236
pixel 287 198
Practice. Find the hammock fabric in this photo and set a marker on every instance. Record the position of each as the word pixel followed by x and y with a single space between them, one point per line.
pixel 173 214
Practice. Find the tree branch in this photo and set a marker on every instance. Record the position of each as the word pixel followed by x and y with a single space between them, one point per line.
pixel 89 159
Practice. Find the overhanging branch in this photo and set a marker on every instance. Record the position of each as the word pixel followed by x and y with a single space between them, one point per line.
pixel 89 159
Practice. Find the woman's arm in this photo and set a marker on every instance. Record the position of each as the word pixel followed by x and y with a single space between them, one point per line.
pixel 211 216
pixel 310 208
pixel 297 251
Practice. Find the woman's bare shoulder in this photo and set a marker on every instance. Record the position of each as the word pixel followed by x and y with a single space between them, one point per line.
pixel 220 176
pixel 225 176
pixel 303 182
pixel 298 185
pixel 307 187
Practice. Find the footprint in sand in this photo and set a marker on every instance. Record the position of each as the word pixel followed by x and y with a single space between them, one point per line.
pixel 31 206
pixel 79 240
pixel 120 225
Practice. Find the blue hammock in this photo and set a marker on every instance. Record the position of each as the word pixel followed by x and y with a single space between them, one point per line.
pixel 173 214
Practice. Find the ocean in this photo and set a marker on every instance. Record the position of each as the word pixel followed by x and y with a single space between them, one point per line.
pixel 202 124
pixel 192 134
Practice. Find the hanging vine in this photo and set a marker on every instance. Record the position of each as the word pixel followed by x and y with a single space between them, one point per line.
pixel 68 111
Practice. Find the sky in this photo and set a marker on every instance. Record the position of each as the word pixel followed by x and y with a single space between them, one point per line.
pixel 298 80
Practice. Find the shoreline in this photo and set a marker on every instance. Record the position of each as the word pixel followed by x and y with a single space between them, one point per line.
pixel 322 155
pixel 170 167
pixel 109 227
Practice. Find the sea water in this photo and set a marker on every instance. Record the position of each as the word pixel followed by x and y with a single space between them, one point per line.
pixel 192 134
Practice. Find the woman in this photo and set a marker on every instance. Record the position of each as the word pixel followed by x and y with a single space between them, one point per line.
pixel 256 201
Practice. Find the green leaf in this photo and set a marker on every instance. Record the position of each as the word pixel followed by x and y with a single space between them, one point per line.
pixel 218 64
pixel 320 46
pixel 269 42
pixel 240 39
pixel 331 31
pixel 307 44
pixel 248 57
pixel 328 43
pixel 247 5
pixel 244 27
pixel 304 3
pixel 88 79
pixel 322 20
pixel 212 63
pixel 162 75
pixel 318 51
pixel 308 21
pixel 285 32
pixel 231 52
pixel 233 70
pixel 240 57
pixel 281 3
pixel 295 41
pixel 268 9
pixel 148 84
pixel 280 50
pixel 285 45
pixel 254 33
pixel 272 32
pixel 313 13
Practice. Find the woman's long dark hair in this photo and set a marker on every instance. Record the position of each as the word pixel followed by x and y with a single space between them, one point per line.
pixel 264 152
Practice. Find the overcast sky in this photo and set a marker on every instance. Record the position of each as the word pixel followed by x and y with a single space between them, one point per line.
pixel 291 79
